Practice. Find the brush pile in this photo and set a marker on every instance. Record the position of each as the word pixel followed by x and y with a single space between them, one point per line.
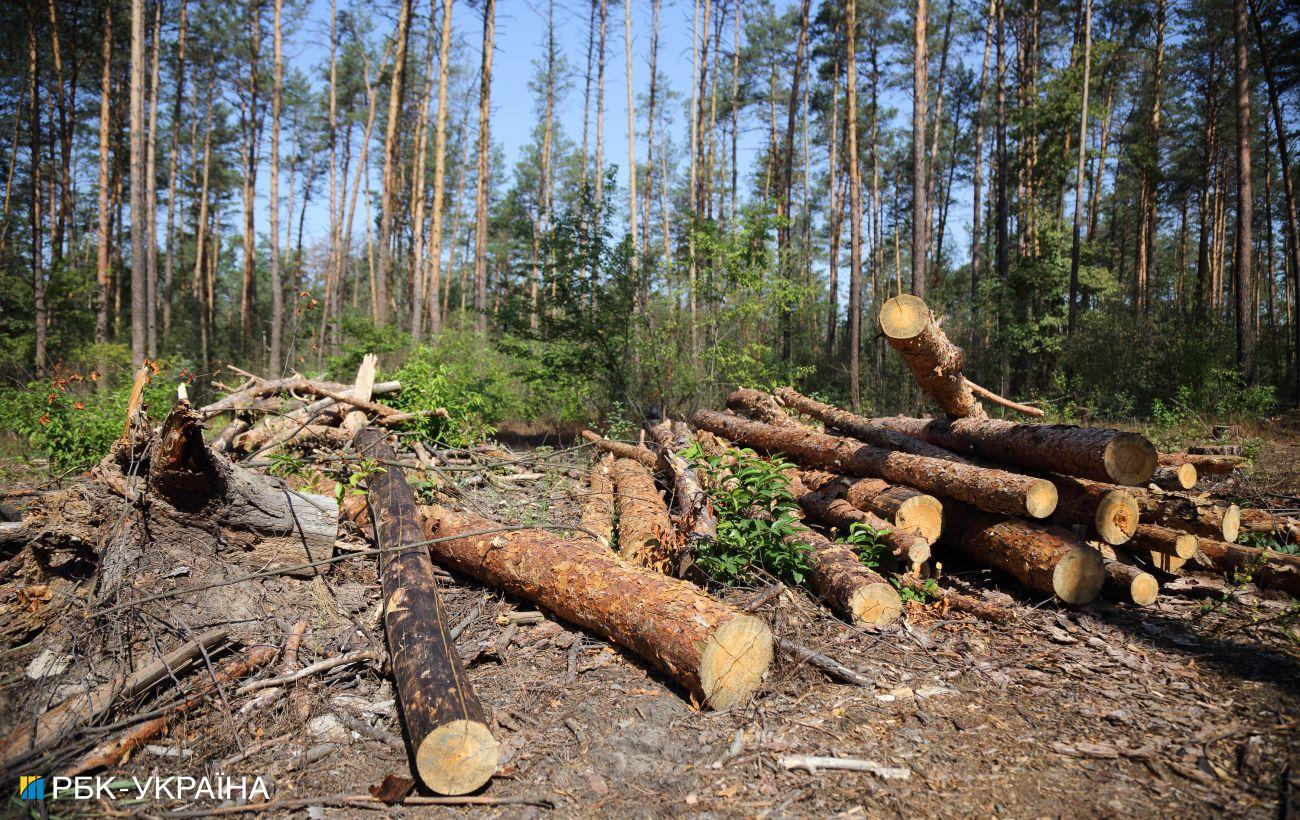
pixel 181 553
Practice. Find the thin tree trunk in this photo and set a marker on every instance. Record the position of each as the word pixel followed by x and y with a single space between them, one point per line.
pixel 277 283
pixel 439 170
pixel 105 236
pixel 785 227
pixel 173 166
pixel 139 202
pixel 419 280
pixel 638 307
pixel 600 112
pixel 836 213
pixel 920 90
pixel 252 136
pixel 34 124
pixel 151 194
pixel 201 302
pixel 390 181
pixel 1244 283
pixel 855 213
pixel 977 179
pixel 1078 178
pixel 484 169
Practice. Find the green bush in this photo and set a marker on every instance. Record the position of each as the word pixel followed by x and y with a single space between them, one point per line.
pixel 427 383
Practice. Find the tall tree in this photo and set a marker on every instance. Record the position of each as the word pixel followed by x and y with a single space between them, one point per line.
pixel 1144 257
pixel 785 226
pixel 1079 168
pixel 104 236
pixel 151 191
pixel 418 278
pixel 439 169
pixel 976 234
pixel 1244 282
pixel 251 120
pixel 920 90
pixel 484 169
pixel 390 180
pixel 855 208
pixel 173 167
pixel 139 203
pixel 277 283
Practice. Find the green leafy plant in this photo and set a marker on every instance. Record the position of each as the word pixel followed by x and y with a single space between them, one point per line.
pixel 928 592
pixel 352 483
pixel 867 542
pixel 286 464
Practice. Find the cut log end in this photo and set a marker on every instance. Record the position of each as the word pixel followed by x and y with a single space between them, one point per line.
pixel 458 757
pixel 1231 523
pixel 1117 517
pixel 734 659
pixel 922 513
pixel 1167 563
pixel 1143 589
pixel 876 605
pixel 1186 545
pixel 1079 575
pixel 1176 477
pixel 1130 459
pixel 904 316
pixel 1041 499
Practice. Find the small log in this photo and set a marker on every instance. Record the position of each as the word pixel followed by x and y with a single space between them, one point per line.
pixel 904 507
pixel 988 395
pixel 1215 450
pixel 56 723
pixel 1086 452
pixel 1051 560
pixel 708 647
pixel 962 603
pixel 1205 465
pixel 1274 570
pixel 840 579
pixel 761 407
pixel 1167 564
pixel 1198 515
pixel 991 490
pixel 1152 538
pixel 829 508
pixel 1109 510
pixel 598 505
pixel 453 749
pixel 935 362
pixel 645 532
pixel 1175 477
pixel 620 449
pixel 692 511
pixel 1281 527
pixel 1130 583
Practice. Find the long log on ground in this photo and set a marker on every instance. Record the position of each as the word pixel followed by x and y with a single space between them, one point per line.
pixel 453 749
pixel 622 449
pixel 598 505
pixel 904 507
pixel 838 576
pixel 1175 477
pixel 1131 583
pixel 871 431
pixel 645 532
pixel 991 490
pixel 33 736
pixel 1153 538
pixel 110 752
pixel 1204 464
pixel 1282 527
pixel 711 649
pixel 1198 515
pixel 1086 452
pixel 935 362
pixel 1215 450
pixel 830 509
pixel 1274 570
pixel 1110 511
pixel 761 407
pixel 1046 559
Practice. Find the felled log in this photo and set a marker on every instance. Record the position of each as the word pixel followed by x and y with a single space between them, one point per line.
pixel 111 752
pixel 1110 511
pixel 962 603
pixel 34 736
pixel 1155 540
pixel 1198 515
pixel 1274 570
pixel 1085 452
pixel 838 576
pixel 1215 450
pixel 1204 464
pixel 829 508
pixel 1281 527
pixel 901 506
pixel 1131 583
pixel 759 406
pixel 692 511
pixel 1046 559
pixel 991 490
pixel 453 749
pixel 711 649
pixel 598 505
pixel 1175 477
pixel 645 532
pixel 363 387
pixel 935 362
pixel 621 449
pixel 871 431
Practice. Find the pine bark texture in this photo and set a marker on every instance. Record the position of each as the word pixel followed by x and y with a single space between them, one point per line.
pixel 872 431
pixel 666 622
pixel 1197 515
pixel 1109 511
pixel 621 449
pixel 991 490
pixel 645 532
pixel 840 579
pixel 1267 568
pixel 598 505
pixel 1204 464
pixel 830 509
pixel 761 407
pixel 935 362
pixel 443 717
pixel 1130 583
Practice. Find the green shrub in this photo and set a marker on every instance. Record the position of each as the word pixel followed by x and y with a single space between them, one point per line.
pixel 427 384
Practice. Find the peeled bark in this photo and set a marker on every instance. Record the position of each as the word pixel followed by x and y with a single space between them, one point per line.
pixel 1197 515
pixel 828 507
pixel 598 506
pixel 1131 583
pixel 1204 464
pixel 991 490
pixel 840 579
pixel 1101 455
pixel 1051 560
pixel 1267 568
pixel 936 363
pixel 692 511
pixel 1175 477
pixel 711 649
pixel 450 743
pixel 1110 511
pixel 645 532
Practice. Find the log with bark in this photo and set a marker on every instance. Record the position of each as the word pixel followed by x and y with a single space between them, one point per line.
pixel 838 576
pixel 991 490
pixel 1175 477
pixel 761 407
pixel 1154 540
pixel 622 449
pixel 1110 511
pixel 645 532
pixel 829 508
pixel 861 428
pixel 692 511
pixel 935 362
pixel 1204 464
pixel 713 650
pixel 1102 455
pixel 955 600
pixel 598 504
pixel 450 743
pixel 1274 570
pixel 901 506
pixel 1215 450
pixel 1199 515
pixel 1281 527
pixel 1045 559
pixel 1130 583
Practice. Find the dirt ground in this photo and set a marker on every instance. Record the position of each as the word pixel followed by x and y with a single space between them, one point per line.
pixel 1188 708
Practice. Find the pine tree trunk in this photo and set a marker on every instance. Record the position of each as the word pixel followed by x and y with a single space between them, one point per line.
pixel 855 214
pixel 139 202
pixel 277 284
pixel 1075 240
pixel 920 91
pixel 104 236
pixel 173 168
pixel 484 169
pixel 1244 283
pixel 151 193
pixel 392 141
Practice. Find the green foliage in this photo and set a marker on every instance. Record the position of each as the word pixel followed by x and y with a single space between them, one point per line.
pixel 929 591
pixel 427 383
pixel 866 542
pixel 755 511
pixel 354 478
